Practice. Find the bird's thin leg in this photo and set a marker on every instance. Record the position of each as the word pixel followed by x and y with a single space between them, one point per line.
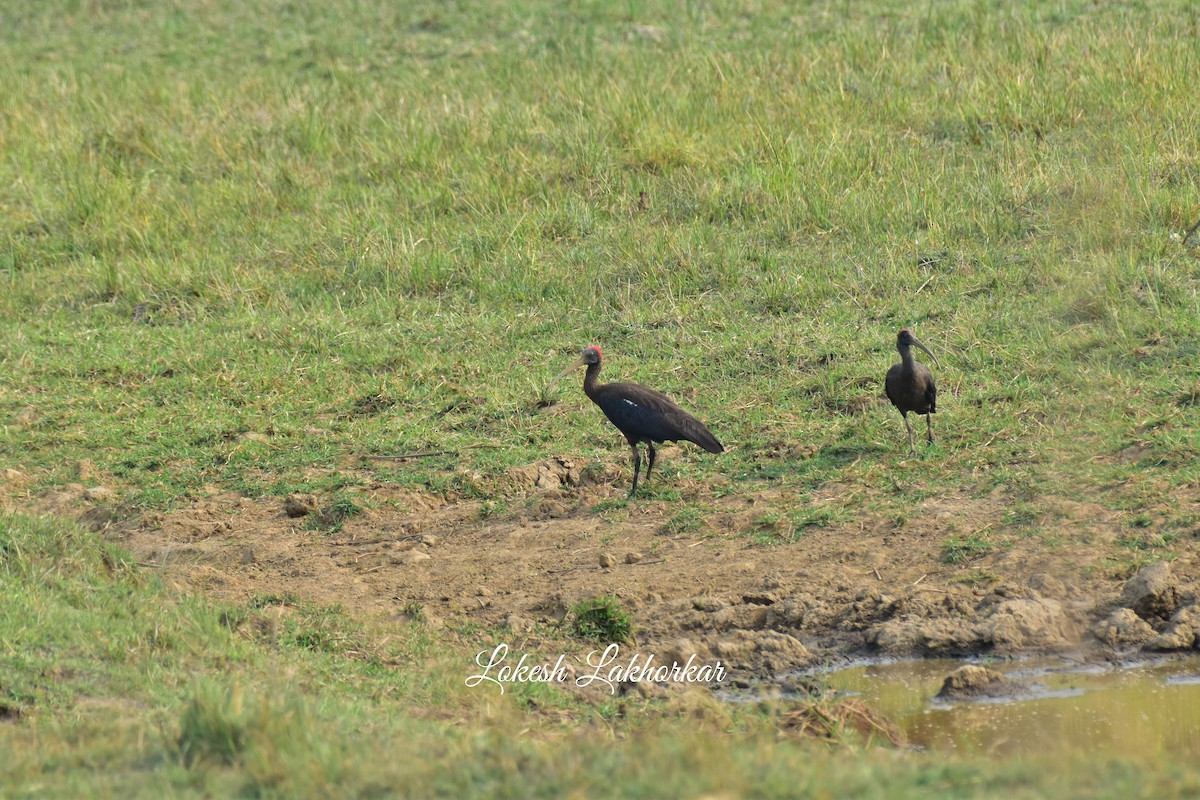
pixel 650 466
pixel 637 465
pixel 929 427
pixel 912 448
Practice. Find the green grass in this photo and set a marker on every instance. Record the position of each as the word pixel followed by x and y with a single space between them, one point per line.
pixel 601 619
pixel 688 519
pixel 242 245
pixel 243 248
pixel 958 549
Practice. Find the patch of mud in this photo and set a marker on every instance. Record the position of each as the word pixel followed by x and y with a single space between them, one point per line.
pixel 874 587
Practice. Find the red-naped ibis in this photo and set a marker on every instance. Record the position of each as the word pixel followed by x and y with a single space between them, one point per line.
pixel 910 385
pixel 641 414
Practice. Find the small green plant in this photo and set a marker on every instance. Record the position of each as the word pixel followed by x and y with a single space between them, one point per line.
pixel 222 725
pixel 601 619
pixel 958 549
pixel 264 600
pixel 343 508
pixel 611 504
pixel 976 578
pixel 214 725
pixel 322 629
pixel 334 516
pixel 689 518
pixel 491 509
pixel 1147 541
pixel 769 529
pixel 773 528
pixel 810 516
pixel 414 609
pixel 1021 515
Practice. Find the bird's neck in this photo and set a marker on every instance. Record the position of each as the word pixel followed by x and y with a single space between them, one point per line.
pixel 906 356
pixel 590 382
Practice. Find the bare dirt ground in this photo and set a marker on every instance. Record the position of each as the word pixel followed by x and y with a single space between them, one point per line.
pixel 844 591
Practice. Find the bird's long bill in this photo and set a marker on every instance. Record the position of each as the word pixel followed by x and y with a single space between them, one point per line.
pixel 928 352
pixel 578 363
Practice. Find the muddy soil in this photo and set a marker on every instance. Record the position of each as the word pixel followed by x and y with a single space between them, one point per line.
pixel 839 592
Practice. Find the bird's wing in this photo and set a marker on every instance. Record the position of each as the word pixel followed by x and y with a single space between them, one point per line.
pixel 931 394
pixel 892 375
pixel 647 414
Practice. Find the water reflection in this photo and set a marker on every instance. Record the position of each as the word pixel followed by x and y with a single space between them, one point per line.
pixel 1150 708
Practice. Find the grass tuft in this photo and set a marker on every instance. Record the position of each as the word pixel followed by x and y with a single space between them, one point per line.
pixel 601 619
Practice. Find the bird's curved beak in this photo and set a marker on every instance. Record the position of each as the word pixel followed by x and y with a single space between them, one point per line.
pixel 928 352
pixel 579 362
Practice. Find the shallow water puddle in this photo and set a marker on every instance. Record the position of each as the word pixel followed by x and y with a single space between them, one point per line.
pixel 1143 709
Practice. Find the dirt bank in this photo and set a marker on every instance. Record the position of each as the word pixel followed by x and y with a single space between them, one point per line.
pixel 868 588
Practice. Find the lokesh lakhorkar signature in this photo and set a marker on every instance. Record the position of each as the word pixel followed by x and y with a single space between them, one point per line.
pixel 603 667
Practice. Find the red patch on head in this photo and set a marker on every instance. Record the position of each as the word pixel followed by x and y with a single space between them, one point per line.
pixel 597 349
pixel 904 331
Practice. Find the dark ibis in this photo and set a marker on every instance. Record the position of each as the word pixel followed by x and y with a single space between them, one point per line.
pixel 641 414
pixel 910 385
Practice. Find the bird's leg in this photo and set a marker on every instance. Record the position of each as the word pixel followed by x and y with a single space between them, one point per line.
pixel 637 464
pixel 650 466
pixel 929 427
pixel 912 448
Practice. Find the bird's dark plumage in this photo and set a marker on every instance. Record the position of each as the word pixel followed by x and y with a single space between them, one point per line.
pixel 910 385
pixel 642 415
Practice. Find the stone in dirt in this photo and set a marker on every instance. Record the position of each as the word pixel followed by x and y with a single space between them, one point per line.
pixel 744 617
pixel 924 637
pixel 972 682
pixel 1182 631
pixel 97 494
pixel 299 505
pixel 761 651
pixel 553 473
pixel 413 557
pixel 709 604
pixel 1123 628
pixel 607 560
pixel 680 650
pixel 1027 623
pixel 1048 586
pixel 551 509
pixel 632 557
pixel 1152 593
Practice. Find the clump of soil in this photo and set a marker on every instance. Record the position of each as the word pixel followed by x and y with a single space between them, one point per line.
pixel 1152 594
pixel 971 682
